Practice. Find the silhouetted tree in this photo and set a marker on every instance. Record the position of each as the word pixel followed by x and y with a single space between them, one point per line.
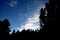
pixel 4 29
pixel 52 9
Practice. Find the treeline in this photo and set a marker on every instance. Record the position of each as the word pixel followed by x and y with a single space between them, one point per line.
pixel 49 21
pixel 4 32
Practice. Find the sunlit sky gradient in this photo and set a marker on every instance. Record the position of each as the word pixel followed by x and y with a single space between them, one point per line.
pixel 22 14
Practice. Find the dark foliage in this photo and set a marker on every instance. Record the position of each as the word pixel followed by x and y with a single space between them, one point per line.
pixel 4 30
pixel 49 19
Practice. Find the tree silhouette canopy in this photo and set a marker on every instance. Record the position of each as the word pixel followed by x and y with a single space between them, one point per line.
pixel 49 16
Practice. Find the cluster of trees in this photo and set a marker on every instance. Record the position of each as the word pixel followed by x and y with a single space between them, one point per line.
pixel 5 35
pixel 49 17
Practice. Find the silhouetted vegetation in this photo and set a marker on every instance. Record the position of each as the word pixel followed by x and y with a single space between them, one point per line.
pixel 48 18
pixel 4 30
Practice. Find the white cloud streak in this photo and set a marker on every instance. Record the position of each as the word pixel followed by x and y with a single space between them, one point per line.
pixel 32 23
pixel 12 3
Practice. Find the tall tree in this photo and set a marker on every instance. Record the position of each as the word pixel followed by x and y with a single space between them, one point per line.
pixel 50 21
pixel 4 29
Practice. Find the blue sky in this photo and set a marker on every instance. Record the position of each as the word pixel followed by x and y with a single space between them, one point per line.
pixel 22 14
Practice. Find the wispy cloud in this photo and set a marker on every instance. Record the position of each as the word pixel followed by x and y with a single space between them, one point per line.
pixel 32 23
pixel 12 3
pixel 36 2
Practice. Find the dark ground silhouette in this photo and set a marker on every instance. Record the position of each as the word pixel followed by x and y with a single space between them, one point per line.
pixel 49 17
